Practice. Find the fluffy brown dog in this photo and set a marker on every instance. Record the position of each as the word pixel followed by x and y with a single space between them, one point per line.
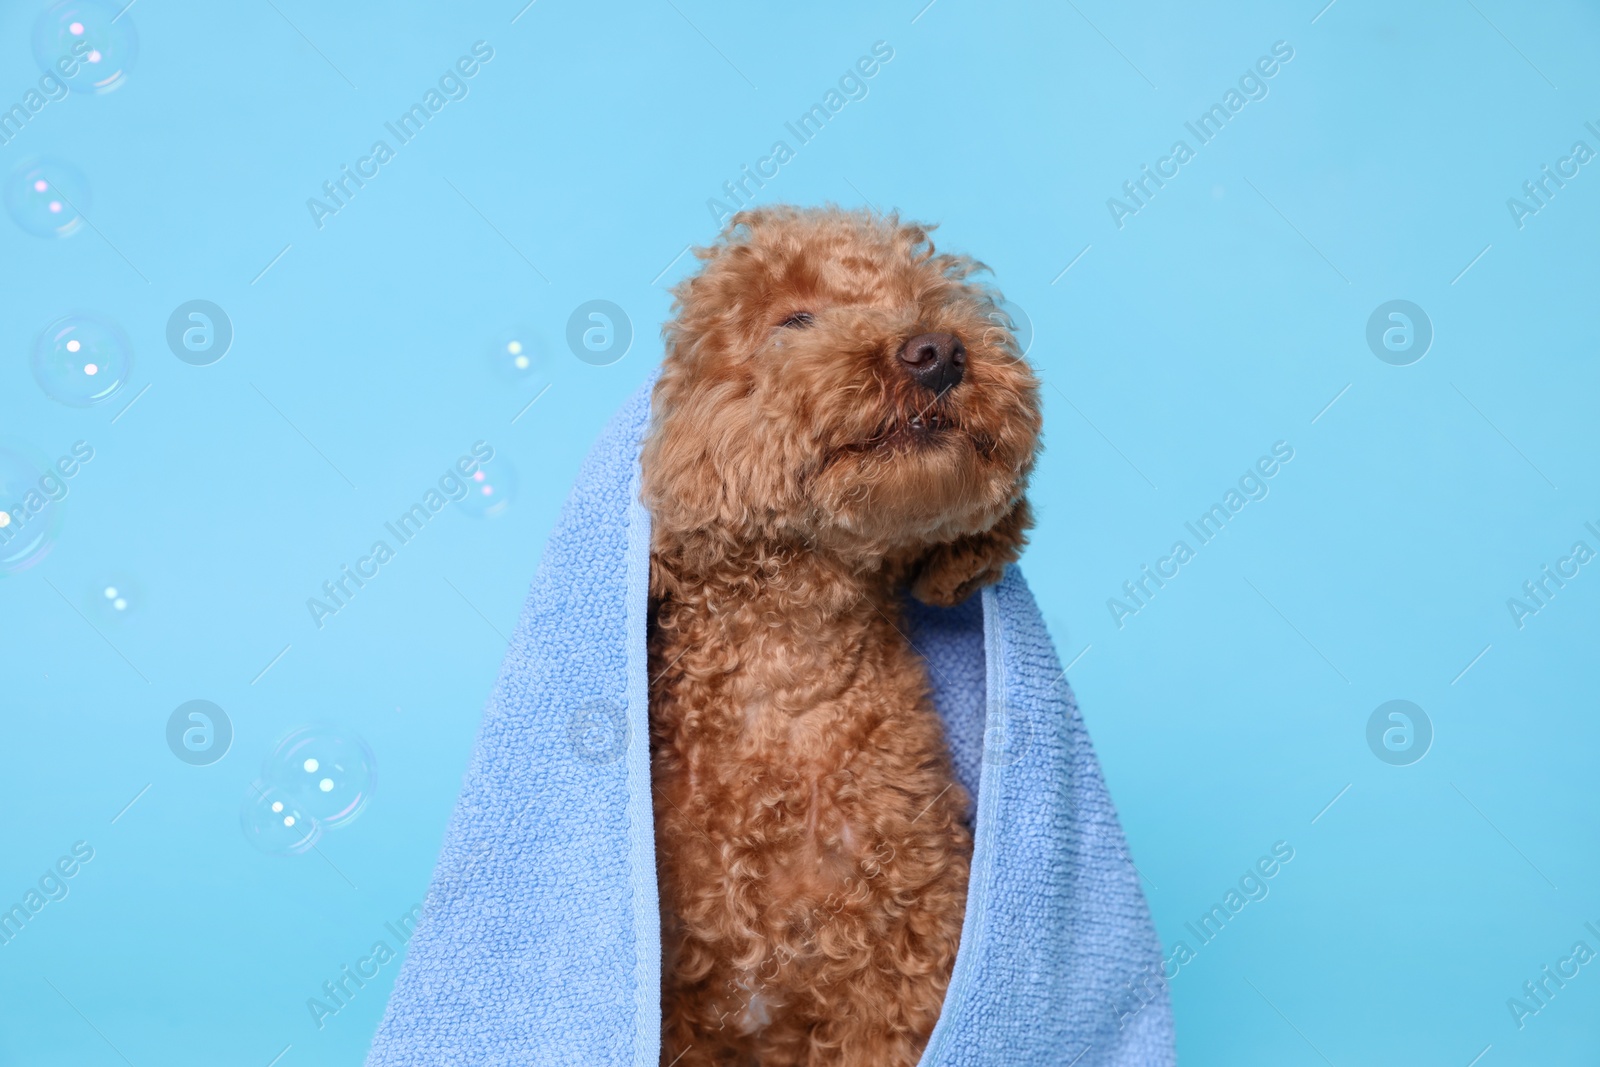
pixel 839 419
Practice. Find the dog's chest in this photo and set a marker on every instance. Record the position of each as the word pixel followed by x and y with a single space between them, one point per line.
pixel 766 730
pixel 761 687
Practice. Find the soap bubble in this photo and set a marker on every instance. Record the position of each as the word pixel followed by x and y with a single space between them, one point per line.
pixel 518 358
pixel 89 44
pixel 490 489
pixel 114 598
pixel 82 360
pixel 29 518
pixel 46 197
pixel 275 822
pixel 328 773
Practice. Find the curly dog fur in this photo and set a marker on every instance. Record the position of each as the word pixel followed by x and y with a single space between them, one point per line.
pixel 812 841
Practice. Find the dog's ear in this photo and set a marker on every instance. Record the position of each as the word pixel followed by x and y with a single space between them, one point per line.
pixel 950 573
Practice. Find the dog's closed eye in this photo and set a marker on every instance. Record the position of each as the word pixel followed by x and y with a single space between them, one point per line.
pixel 799 320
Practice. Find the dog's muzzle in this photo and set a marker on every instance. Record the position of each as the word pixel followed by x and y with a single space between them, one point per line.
pixel 935 361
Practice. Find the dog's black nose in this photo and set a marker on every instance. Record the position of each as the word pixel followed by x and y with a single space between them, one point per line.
pixel 936 360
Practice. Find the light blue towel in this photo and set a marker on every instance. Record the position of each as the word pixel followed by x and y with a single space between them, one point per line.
pixel 540 939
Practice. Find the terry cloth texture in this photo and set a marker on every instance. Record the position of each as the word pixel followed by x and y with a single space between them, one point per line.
pixel 540 938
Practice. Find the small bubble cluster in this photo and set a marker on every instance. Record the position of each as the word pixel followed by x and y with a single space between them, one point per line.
pixel 314 780
pixel 114 598
pixel 90 45
pixel 47 197
pixel 490 489
pixel 81 360
pixel 517 358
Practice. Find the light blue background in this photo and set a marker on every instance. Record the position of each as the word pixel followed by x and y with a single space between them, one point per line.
pixel 1223 317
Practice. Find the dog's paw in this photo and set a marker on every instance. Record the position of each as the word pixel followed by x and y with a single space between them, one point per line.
pixel 950 573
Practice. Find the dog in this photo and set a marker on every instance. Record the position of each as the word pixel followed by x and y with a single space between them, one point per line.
pixel 842 417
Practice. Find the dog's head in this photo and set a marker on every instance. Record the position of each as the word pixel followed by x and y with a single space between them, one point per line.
pixel 832 382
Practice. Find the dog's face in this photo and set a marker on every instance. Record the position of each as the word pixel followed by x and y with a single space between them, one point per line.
pixel 832 381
